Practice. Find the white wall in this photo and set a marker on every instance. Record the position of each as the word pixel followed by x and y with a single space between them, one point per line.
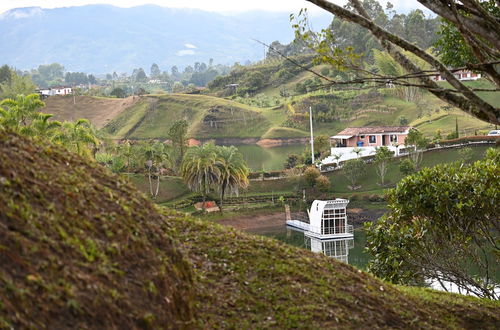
pixel 347 153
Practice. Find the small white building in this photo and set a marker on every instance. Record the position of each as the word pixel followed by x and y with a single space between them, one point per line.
pixel 460 75
pixel 44 93
pixel 327 220
pixel 327 231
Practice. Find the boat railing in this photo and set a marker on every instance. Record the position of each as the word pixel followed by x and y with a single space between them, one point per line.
pixel 348 229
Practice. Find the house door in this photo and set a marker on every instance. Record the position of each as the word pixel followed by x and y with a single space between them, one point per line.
pixel 383 139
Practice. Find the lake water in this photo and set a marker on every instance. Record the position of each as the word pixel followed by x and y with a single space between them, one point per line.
pixel 354 250
pixel 351 251
pixel 268 159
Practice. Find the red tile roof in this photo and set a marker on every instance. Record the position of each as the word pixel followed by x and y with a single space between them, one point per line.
pixel 373 130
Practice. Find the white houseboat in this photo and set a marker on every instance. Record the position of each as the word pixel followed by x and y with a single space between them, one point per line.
pixel 327 230
pixel 327 220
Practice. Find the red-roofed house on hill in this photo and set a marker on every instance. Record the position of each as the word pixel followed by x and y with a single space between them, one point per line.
pixel 365 140
pixel 371 136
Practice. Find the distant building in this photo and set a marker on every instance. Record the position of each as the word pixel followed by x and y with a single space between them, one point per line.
pixel 44 93
pixel 461 75
pixel 374 136
pixel 365 140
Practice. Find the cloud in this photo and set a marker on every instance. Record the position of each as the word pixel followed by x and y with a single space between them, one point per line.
pixel 185 52
pixel 22 13
pixel 190 46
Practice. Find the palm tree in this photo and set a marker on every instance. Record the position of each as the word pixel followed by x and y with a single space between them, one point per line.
pixel 357 151
pixel 337 157
pixel 233 171
pixel 157 155
pixel 199 168
pixel 77 136
pixel 42 127
pixel 19 112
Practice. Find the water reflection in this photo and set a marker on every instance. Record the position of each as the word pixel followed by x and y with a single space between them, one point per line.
pixel 336 248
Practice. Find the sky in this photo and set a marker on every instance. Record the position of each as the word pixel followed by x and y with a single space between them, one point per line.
pixel 224 6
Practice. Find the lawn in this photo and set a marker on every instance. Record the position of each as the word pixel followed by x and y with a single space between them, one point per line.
pixel 173 188
pixel 369 182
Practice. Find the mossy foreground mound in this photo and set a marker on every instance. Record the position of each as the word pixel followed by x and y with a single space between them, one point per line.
pixel 80 248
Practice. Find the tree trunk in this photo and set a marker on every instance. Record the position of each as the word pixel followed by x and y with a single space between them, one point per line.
pixel 150 183
pixel 157 185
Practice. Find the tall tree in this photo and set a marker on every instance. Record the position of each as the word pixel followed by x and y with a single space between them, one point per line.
pixel 5 73
pixel 417 143
pixel 16 85
pixel 353 169
pixel 41 126
pixel 79 136
pixel 155 70
pixel 178 135
pixel 157 156
pixel 442 222
pixel 382 158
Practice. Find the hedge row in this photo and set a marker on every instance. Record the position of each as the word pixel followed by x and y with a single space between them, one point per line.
pixel 469 139
pixel 259 175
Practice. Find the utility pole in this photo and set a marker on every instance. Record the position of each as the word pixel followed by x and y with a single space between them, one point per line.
pixel 312 136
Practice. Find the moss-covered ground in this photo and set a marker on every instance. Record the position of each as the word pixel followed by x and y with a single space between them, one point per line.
pixel 80 248
pixel 244 281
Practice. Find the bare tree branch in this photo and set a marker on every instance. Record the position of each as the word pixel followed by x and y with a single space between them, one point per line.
pixel 485 26
pixel 469 102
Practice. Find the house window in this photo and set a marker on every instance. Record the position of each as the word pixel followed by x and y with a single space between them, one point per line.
pixel 372 139
pixel 394 138
pixel 362 136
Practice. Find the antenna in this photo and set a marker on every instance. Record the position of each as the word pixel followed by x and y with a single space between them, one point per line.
pixel 312 137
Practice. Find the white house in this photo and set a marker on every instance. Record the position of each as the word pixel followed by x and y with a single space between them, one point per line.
pixel 44 93
pixel 354 142
pixel 460 75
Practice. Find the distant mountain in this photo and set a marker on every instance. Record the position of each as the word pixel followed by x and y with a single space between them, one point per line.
pixel 103 38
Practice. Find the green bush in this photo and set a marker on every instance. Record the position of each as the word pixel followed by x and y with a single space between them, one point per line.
pixel 322 183
pixel 439 220
pixel 406 166
pixel 310 175
pixel 467 139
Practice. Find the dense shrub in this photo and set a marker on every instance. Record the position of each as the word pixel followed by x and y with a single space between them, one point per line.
pixel 468 139
pixel 322 183
pixel 310 175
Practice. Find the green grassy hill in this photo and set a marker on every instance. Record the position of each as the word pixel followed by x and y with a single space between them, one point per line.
pixel 275 108
pixel 81 248
pixel 208 117
pixel 288 86
pixel 212 117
